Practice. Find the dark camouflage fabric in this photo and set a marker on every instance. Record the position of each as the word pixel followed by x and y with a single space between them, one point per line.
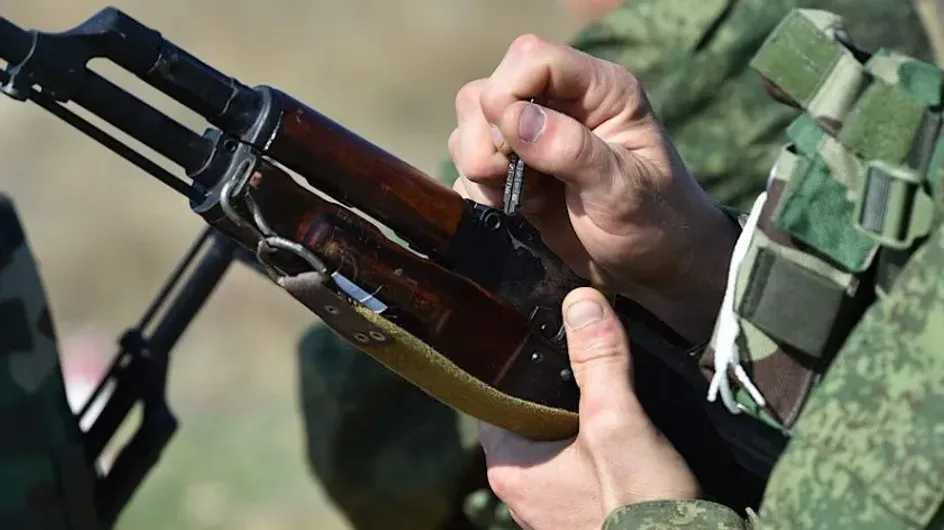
pixel 45 481
pixel 692 59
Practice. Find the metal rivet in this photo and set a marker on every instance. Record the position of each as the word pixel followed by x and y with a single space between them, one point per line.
pixel 566 374
pixel 360 337
pixel 331 309
pixel 536 357
pixel 492 221
pixel 376 335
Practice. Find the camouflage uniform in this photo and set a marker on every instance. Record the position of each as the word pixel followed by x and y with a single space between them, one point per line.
pixel 693 62
pixel 45 480
pixel 866 451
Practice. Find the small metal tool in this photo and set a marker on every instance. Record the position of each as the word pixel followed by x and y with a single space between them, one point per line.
pixel 514 182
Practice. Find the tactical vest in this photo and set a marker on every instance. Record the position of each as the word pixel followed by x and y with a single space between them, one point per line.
pixel 850 198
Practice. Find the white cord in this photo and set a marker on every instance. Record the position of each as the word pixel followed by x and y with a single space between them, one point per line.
pixel 726 356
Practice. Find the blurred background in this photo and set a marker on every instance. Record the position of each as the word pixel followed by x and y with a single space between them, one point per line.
pixel 107 234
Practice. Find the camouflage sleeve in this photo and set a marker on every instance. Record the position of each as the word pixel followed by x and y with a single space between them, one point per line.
pixel 686 515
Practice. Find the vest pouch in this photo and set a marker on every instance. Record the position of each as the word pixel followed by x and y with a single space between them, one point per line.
pixel 793 308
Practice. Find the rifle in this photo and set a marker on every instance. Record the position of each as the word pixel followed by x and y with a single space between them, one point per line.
pixel 468 310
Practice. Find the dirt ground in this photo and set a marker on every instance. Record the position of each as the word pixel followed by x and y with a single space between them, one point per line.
pixel 107 234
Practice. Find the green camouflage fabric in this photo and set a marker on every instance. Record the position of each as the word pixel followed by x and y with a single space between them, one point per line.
pixel 659 515
pixel 693 61
pixel 45 481
pixel 865 452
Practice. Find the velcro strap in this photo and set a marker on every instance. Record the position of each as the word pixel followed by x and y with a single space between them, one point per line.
pixel 783 374
pixel 922 80
pixel 925 83
pixel 792 303
pixel 803 58
pixel 885 123
pixel 873 427
pixel 815 209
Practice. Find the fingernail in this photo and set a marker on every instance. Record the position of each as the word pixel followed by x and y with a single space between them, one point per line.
pixel 497 137
pixel 531 123
pixel 583 313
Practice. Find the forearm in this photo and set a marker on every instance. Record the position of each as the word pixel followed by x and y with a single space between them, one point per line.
pixel 691 305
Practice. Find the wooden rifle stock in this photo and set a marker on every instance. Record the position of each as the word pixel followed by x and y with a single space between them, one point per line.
pixel 355 172
pixel 432 303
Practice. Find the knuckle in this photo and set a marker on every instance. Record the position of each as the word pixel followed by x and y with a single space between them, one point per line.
pixel 478 170
pixel 603 427
pixel 630 94
pixel 486 195
pixel 602 346
pixel 573 149
pixel 527 44
pixel 503 481
pixel 468 94
pixel 474 155
pixel 452 143
pixel 491 100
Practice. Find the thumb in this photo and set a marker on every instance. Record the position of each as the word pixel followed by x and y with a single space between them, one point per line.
pixel 555 144
pixel 599 356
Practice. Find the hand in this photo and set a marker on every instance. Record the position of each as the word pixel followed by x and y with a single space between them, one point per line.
pixel 619 206
pixel 619 458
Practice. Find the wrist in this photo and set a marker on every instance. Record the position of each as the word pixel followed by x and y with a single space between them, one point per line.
pixel 691 302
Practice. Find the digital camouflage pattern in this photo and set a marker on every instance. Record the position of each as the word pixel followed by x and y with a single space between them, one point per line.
pixel 885 395
pixel 692 59
pixel 666 515
pixel 45 482
pixel 865 452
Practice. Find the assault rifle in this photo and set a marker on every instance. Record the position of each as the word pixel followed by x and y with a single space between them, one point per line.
pixel 469 312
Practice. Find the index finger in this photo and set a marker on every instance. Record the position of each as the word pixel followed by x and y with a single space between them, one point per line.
pixel 587 89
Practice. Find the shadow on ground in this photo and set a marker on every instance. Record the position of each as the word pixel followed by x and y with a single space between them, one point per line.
pixel 107 234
